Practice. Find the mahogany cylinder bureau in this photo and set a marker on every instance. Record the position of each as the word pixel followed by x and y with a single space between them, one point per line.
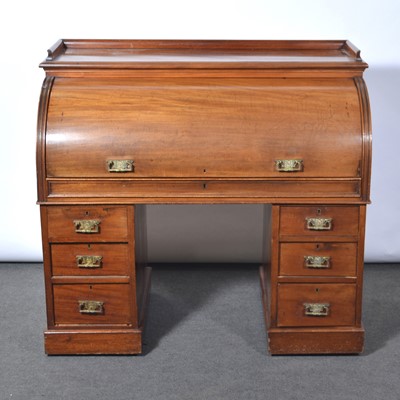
pixel 125 123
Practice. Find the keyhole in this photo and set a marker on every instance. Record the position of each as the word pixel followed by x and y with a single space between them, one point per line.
pixel 204 185
pixel 86 213
pixel 317 290
pixel 317 246
pixel 318 211
pixel 89 246
pixel 90 287
pixel 204 170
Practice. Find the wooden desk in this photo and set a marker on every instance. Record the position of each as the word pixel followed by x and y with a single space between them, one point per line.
pixel 126 123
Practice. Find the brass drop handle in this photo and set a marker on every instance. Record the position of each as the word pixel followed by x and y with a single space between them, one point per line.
pixel 120 165
pixel 319 224
pixel 87 225
pixel 89 261
pixel 317 262
pixel 91 307
pixel 316 309
pixel 289 165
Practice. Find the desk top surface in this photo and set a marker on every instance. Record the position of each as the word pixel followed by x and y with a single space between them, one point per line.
pixel 192 54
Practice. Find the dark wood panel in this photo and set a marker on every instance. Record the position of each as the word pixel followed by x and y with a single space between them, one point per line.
pixel 100 341
pixel 316 341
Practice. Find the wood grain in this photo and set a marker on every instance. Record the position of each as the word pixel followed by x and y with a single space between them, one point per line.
pixel 203 128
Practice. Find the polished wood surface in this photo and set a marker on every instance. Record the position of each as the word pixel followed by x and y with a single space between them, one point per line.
pixel 188 120
pixel 204 122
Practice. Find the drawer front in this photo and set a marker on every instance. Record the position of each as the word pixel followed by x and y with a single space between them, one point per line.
pixel 167 188
pixel 319 220
pixel 203 128
pixel 316 305
pixel 90 259
pixel 318 259
pixel 87 223
pixel 92 304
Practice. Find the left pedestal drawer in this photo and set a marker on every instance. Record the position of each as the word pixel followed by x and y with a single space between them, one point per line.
pixel 90 259
pixel 87 223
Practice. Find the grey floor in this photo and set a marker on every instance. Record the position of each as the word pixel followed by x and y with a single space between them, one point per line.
pixel 205 339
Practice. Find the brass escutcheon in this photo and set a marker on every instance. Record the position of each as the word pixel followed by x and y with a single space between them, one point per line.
pixel 91 307
pixel 316 309
pixel 319 224
pixel 89 261
pixel 120 165
pixel 318 262
pixel 289 165
pixel 87 225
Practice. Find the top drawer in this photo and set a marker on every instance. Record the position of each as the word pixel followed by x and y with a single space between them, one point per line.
pixel 319 220
pixel 203 128
pixel 87 224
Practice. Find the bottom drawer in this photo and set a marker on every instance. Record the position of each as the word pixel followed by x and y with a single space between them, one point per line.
pixel 92 304
pixel 322 304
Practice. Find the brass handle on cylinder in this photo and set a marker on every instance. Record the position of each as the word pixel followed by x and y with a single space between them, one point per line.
pixel 316 309
pixel 289 165
pixel 120 165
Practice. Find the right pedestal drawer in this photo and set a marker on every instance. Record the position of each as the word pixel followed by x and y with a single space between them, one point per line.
pixel 318 259
pixel 319 220
pixel 316 304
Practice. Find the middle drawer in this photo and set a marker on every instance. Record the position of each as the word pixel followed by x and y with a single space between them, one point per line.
pixel 90 259
pixel 318 259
